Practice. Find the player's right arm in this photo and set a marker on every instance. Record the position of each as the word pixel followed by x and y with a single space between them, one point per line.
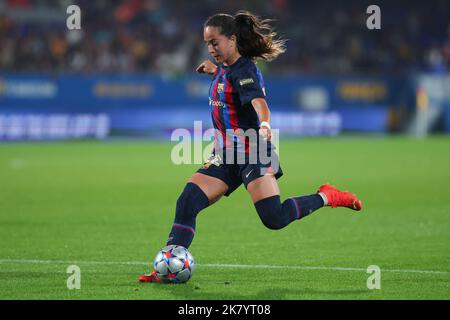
pixel 206 67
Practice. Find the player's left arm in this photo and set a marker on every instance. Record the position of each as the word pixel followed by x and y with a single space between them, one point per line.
pixel 262 109
pixel 251 90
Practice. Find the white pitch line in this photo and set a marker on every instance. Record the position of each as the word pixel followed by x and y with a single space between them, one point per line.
pixel 318 268
pixel 216 265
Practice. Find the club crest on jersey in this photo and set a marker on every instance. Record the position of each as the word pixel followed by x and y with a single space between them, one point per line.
pixel 220 88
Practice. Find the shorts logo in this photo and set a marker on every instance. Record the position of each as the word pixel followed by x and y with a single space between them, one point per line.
pixel 220 88
pixel 213 159
pixel 246 81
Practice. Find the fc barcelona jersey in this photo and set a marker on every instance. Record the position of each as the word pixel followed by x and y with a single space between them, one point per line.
pixel 231 92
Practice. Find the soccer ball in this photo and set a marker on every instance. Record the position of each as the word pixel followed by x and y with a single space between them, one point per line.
pixel 174 264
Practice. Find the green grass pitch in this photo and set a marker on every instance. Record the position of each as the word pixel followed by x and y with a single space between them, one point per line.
pixel 108 208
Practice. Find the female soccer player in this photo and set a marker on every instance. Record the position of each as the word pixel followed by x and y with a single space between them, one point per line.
pixel 237 103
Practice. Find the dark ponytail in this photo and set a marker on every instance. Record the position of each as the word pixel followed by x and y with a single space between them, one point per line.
pixel 255 37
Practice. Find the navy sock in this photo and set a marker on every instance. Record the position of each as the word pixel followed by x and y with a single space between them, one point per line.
pixel 191 201
pixel 276 215
pixel 306 205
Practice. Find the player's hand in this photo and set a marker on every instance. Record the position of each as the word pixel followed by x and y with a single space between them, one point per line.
pixel 266 132
pixel 206 67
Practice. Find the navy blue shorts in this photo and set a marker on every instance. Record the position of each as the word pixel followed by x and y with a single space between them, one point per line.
pixel 234 174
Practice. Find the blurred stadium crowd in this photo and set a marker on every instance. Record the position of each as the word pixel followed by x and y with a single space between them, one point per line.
pixel 157 36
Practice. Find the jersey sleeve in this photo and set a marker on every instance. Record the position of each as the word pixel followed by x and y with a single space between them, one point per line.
pixel 249 85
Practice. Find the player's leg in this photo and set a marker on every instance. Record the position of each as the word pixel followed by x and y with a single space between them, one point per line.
pixel 200 192
pixel 276 214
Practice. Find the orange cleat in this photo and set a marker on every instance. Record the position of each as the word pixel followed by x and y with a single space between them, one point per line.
pixel 338 198
pixel 150 278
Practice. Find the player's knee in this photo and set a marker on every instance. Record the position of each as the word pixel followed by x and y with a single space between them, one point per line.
pixel 273 224
pixel 189 203
pixel 269 211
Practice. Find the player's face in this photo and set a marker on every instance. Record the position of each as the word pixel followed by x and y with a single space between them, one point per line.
pixel 220 47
